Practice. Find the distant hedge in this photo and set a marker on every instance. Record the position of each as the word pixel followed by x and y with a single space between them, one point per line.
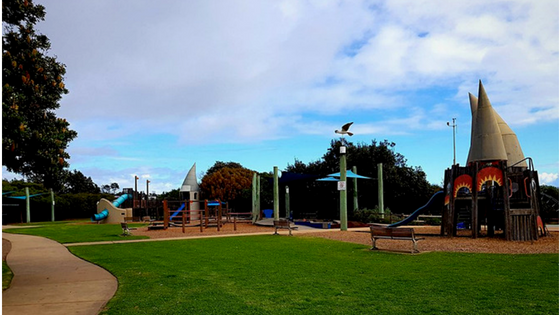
pixel 67 206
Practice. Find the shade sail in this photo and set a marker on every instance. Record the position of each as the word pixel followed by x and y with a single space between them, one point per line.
pixel 328 179
pixel 349 174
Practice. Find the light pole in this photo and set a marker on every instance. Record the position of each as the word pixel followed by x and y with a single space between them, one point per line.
pixel 453 125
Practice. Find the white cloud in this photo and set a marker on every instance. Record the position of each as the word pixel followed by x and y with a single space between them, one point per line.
pixel 241 72
pixel 548 179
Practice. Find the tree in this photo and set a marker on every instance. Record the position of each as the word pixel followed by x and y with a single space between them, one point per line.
pixel 114 187
pixel 34 139
pixel 228 184
pixel 76 182
pixel 405 187
pixel 106 189
pixel 219 165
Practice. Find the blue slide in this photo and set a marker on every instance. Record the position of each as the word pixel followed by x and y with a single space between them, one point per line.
pixel 105 213
pixel 437 197
pixel 177 212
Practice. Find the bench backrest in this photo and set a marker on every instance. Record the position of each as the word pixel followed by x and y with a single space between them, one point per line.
pixel 393 232
pixel 281 223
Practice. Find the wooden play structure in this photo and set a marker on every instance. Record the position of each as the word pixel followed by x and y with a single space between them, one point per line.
pixel 186 214
pixel 497 192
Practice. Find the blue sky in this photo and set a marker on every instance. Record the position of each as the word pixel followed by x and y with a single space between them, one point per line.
pixel 158 86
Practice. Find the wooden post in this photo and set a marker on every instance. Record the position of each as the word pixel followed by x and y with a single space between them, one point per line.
pixel 381 204
pixel 275 193
pixel 201 218
pixel 183 216
pixel 254 196
pixel 165 215
pixel 219 215
pixel 507 210
pixel 27 206
pixel 258 199
pixel 206 213
pixel 355 192
pixel 474 216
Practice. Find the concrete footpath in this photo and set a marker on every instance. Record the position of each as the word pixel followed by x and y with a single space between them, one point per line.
pixel 48 279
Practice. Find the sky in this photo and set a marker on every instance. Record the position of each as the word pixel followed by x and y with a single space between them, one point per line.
pixel 157 86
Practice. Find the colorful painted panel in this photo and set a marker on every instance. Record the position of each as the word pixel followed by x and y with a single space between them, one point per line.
pixel 489 174
pixel 460 182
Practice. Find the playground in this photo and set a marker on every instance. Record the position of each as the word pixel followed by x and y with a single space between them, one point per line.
pixel 432 243
pixel 327 271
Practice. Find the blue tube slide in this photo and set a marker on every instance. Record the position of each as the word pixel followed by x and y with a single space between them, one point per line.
pixel 105 213
pixel 437 197
pixel 177 212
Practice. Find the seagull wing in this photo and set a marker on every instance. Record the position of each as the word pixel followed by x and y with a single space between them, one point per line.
pixel 347 126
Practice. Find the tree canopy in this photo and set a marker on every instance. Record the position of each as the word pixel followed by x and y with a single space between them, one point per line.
pixel 34 139
pixel 229 182
pixel 75 182
pixel 405 187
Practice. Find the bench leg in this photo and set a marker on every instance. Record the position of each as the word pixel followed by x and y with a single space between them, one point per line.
pixel 415 246
pixel 275 231
pixel 373 239
pixel 290 230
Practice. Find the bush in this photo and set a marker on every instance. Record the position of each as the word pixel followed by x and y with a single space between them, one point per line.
pixel 372 216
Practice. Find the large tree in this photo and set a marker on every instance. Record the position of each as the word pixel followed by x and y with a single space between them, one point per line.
pixel 229 182
pixel 34 139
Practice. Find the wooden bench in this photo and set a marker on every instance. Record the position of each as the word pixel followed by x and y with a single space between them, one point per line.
pixel 406 234
pixel 283 224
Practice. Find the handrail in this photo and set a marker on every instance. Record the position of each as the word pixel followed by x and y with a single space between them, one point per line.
pixel 531 166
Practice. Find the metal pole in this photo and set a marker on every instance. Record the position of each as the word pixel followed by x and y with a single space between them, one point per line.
pixel 342 188
pixel 380 205
pixel 275 192
pixel 27 206
pixel 453 125
pixel 287 203
pixel 52 205
pixel 355 170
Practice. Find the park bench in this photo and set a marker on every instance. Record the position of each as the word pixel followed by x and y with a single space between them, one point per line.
pixel 125 229
pixel 379 232
pixel 283 224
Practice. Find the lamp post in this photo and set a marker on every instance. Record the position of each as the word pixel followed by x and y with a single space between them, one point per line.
pixel 342 189
pixel 453 125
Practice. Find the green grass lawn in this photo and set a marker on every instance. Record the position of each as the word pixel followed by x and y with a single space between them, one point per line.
pixel 289 275
pixel 7 276
pixel 76 232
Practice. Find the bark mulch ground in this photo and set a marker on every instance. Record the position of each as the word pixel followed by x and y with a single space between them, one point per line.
pixel 432 241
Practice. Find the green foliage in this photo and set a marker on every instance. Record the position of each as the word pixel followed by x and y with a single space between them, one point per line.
pixel 67 206
pixel 75 206
pixel 405 187
pixel 372 216
pixel 549 203
pixel 170 195
pixel 34 139
pixel 76 182
pixel 289 275
pixel 228 184
pixel 219 165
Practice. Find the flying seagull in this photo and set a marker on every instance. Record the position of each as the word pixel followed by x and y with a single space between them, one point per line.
pixel 344 130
